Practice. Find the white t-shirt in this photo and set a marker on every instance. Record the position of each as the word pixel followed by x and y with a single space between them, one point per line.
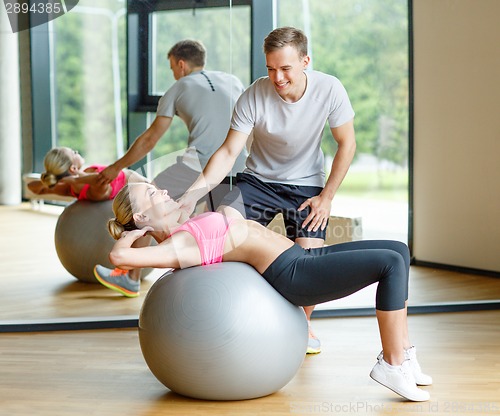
pixel 286 145
pixel 204 100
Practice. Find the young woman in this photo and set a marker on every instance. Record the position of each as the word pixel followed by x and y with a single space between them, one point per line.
pixel 304 277
pixel 64 175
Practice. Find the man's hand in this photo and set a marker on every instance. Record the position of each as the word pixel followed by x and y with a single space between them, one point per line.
pixel 107 175
pixel 320 212
pixel 187 204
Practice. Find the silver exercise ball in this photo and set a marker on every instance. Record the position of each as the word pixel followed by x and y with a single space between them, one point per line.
pixel 221 332
pixel 82 239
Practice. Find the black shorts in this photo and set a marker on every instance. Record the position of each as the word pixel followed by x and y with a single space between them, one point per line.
pixel 262 201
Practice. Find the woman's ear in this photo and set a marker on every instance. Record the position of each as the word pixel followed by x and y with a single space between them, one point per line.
pixel 140 218
pixel 73 170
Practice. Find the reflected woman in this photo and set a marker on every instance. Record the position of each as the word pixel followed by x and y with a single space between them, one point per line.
pixel 65 175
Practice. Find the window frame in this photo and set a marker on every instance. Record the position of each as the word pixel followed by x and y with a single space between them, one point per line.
pixel 140 42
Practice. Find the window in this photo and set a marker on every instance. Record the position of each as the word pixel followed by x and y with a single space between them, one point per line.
pixel 89 80
pixel 364 43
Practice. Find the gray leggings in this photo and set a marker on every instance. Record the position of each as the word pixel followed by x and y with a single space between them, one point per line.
pixel 309 277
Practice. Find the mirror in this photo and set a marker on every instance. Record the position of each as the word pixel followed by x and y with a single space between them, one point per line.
pixel 87 56
pixel 40 289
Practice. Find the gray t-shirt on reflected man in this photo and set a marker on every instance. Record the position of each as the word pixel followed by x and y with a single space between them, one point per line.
pixel 204 100
pixel 286 145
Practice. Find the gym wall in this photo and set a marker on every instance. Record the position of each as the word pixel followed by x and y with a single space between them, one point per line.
pixel 456 218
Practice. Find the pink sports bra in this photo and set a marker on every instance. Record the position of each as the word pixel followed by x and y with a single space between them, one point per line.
pixel 209 230
pixel 116 184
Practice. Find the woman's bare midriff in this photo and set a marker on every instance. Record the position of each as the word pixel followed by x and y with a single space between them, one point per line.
pixel 252 243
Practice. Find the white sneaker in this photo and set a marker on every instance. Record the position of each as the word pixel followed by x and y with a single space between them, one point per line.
pixel 421 378
pixel 399 379
pixel 411 354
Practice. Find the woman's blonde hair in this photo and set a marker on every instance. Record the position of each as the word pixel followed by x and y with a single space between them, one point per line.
pixel 124 215
pixel 57 164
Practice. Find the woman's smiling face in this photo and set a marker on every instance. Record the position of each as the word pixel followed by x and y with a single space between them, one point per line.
pixel 153 206
pixel 76 159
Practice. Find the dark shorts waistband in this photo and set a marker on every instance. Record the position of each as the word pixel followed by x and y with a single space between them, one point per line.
pixel 284 263
pixel 262 201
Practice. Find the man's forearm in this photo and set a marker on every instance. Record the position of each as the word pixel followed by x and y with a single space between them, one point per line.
pixel 217 168
pixel 139 149
pixel 340 165
pixel 144 143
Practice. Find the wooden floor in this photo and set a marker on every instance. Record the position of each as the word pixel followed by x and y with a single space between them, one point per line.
pixel 35 286
pixel 102 373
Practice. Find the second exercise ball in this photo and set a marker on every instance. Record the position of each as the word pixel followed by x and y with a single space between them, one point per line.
pixel 221 332
pixel 82 239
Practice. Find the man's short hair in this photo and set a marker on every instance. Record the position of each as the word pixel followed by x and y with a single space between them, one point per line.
pixel 284 36
pixel 191 51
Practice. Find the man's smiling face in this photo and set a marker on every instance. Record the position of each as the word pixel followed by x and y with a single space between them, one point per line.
pixel 286 68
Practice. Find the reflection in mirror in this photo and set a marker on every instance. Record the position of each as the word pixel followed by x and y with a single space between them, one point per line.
pixel 39 288
pixel 216 28
pixel 88 62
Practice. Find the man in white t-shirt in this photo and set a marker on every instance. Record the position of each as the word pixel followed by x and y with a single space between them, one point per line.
pixel 286 112
pixel 204 100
